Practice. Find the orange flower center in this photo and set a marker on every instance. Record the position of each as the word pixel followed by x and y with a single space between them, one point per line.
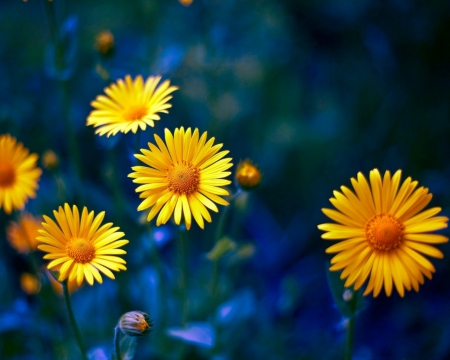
pixel 81 250
pixel 183 178
pixel 135 112
pixel 7 175
pixel 384 232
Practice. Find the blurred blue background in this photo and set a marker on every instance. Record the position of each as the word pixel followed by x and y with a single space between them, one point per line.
pixel 311 91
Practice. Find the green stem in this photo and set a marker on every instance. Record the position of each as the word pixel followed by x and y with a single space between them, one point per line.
pixel 70 131
pixel 72 320
pixel 351 328
pixel 162 299
pixel 183 276
pixel 219 233
pixel 117 342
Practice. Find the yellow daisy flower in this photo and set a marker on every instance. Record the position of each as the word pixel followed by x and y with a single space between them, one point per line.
pixel 18 174
pixel 184 175
pixel 384 233
pixel 130 105
pixel 80 246
pixel 22 234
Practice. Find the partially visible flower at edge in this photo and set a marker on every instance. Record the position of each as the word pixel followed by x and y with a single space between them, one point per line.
pixel 383 232
pixel 22 234
pixel 183 176
pixel 135 323
pixel 81 246
pixel 130 105
pixel 248 176
pixel 19 175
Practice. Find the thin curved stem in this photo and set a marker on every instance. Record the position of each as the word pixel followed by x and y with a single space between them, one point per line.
pixel 117 342
pixel 351 328
pixel 220 231
pixel 183 276
pixel 72 320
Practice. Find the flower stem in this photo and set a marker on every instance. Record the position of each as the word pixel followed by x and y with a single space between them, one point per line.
pixel 117 342
pixel 351 328
pixel 220 231
pixel 72 320
pixel 183 276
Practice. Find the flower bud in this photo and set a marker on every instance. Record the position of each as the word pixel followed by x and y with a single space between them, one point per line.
pixel 185 2
pixel 248 175
pixel 104 43
pixel 30 283
pixel 135 323
pixel 50 160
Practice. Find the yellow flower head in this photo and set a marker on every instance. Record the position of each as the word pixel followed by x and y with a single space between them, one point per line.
pixel 22 234
pixel 80 246
pixel 184 175
pixel 248 175
pixel 383 233
pixel 130 105
pixel 18 174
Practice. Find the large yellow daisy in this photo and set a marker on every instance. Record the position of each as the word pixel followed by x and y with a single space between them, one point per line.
pixel 80 246
pixel 130 105
pixel 183 176
pixel 18 174
pixel 383 233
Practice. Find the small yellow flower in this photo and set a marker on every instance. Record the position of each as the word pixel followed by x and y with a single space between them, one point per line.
pixel 135 323
pixel 130 105
pixel 183 176
pixel 104 42
pixel 383 232
pixel 22 234
pixel 30 283
pixel 248 175
pixel 80 246
pixel 18 174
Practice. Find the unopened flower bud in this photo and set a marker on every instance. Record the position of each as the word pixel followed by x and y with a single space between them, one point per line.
pixel 135 323
pixel 104 43
pixel 30 283
pixel 50 160
pixel 248 175
pixel 185 2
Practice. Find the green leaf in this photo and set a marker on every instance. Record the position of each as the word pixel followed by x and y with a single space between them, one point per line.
pixel 346 299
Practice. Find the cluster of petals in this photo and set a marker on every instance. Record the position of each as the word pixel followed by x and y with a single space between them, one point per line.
pixel 182 176
pixel 80 247
pixel 19 174
pixel 383 233
pixel 130 105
